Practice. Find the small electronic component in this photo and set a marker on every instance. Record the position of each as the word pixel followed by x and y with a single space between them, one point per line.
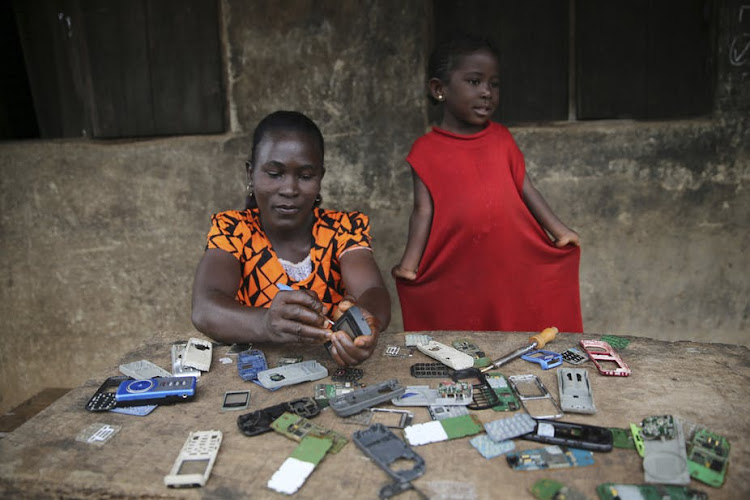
pixel 489 448
pixel 97 433
pixel 550 457
pixel 143 369
pixel 288 360
pixel 384 448
pixel 296 373
pixel 159 390
pixel 532 392
pixel 324 392
pixel 580 436
pixel 616 491
pixel 601 352
pixel 483 395
pixel 574 356
pixel 499 384
pixel 356 401
pixel 259 421
pixel 250 363
pixel 622 438
pixel 414 339
pixel 347 374
pixel 394 351
pixel 447 355
pixel 469 347
pixel 297 428
pixel 235 400
pixel 440 412
pixel 195 461
pixel 447 393
pixel 575 390
pixel 430 370
pixel 179 369
pixel 708 457
pixel 545 359
pixel 615 341
pixel 664 455
pixel 443 430
pixel 510 427
pixel 198 354
pixel 657 427
pixel 548 489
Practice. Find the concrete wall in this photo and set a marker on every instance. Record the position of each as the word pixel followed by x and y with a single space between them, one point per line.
pixel 99 239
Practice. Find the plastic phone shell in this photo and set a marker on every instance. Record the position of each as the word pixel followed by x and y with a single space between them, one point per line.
pixel 530 388
pixel 598 351
pixel 200 450
pixel 292 374
pixel 143 369
pixel 356 401
pixel 104 397
pixel 259 421
pixel 546 359
pixel 353 323
pixel 160 390
pixel 483 395
pixel 447 355
pixel 198 354
pixel 575 390
pixel 384 448
pixel 178 368
pixel 423 395
pixel 585 437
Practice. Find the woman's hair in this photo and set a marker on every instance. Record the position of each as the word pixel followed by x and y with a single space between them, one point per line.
pixel 446 55
pixel 287 121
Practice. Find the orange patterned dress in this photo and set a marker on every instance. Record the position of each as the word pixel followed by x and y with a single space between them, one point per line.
pixel 334 232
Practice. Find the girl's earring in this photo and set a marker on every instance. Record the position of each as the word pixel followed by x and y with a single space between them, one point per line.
pixel 318 200
pixel 440 97
pixel 249 189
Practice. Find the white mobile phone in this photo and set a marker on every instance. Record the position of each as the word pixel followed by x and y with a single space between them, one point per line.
pixel 193 465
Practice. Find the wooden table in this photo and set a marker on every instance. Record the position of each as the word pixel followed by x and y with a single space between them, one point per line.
pixel 706 384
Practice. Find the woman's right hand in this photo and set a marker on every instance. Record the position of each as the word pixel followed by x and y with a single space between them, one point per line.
pixel 296 316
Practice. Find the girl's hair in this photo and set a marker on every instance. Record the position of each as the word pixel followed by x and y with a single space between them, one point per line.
pixel 288 121
pixel 446 55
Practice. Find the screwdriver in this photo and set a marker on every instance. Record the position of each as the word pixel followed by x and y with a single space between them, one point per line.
pixel 286 288
pixel 535 342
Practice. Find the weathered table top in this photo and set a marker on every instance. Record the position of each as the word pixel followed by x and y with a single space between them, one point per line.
pixel 706 384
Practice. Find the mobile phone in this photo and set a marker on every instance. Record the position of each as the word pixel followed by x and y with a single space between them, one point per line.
pixel 159 390
pixel 585 437
pixel 353 323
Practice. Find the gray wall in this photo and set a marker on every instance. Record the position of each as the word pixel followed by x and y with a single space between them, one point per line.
pixel 99 239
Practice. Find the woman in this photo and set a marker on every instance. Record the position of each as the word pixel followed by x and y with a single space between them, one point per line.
pixel 284 238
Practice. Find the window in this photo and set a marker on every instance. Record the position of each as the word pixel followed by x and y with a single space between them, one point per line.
pixel 588 59
pixel 122 68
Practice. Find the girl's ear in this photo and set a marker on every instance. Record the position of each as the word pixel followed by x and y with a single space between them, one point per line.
pixel 436 89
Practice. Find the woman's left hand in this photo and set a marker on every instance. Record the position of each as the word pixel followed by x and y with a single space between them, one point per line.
pixel 348 352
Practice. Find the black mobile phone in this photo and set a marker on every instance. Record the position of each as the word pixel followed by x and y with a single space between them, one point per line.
pixel 585 437
pixel 353 323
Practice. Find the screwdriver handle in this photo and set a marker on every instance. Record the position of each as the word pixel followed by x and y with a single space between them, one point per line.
pixel 543 337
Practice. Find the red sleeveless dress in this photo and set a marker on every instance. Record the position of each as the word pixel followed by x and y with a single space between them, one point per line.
pixel 488 264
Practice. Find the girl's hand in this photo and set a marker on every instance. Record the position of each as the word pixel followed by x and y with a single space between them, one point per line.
pixel 296 316
pixel 348 352
pixel 569 237
pixel 399 272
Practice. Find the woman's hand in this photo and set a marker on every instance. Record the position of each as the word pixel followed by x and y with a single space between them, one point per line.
pixel 296 316
pixel 399 272
pixel 348 352
pixel 568 237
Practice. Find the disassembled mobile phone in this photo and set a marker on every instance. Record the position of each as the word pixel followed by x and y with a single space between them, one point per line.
pixel 430 370
pixel 288 360
pixel 250 363
pixel 384 448
pixel 143 369
pixel 489 448
pixel 296 428
pixel 295 470
pixel 412 339
pixel 708 457
pixel 179 369
pixel 159 390
pixel 323 392
pixel 281 376
pixel 259 421
pixel 435 431
pixel 548 489
pixel 353 323
pixel 664 455
pixel 535 397
pixel 104 397
pixel 469 347
pixel 601 352
pixel 616 491
pixel 440 412
pixel 235 400
pixel 198 354
pixel 575 390
pixel 483 395
pixel 622 438
pixel 347 374
pixel 447 355
pixel 195 461
pixel 550 457
pixel 574 356
pixel 499 384
pixel 584 437
pixel 448 393
pixel 545 359
pixel 356 401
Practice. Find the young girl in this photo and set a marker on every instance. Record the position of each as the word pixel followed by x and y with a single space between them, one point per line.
pixel 485 251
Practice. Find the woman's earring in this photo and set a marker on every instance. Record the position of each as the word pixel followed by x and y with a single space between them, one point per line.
pixel 249 189
pixel 440 97
pixel 318 200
